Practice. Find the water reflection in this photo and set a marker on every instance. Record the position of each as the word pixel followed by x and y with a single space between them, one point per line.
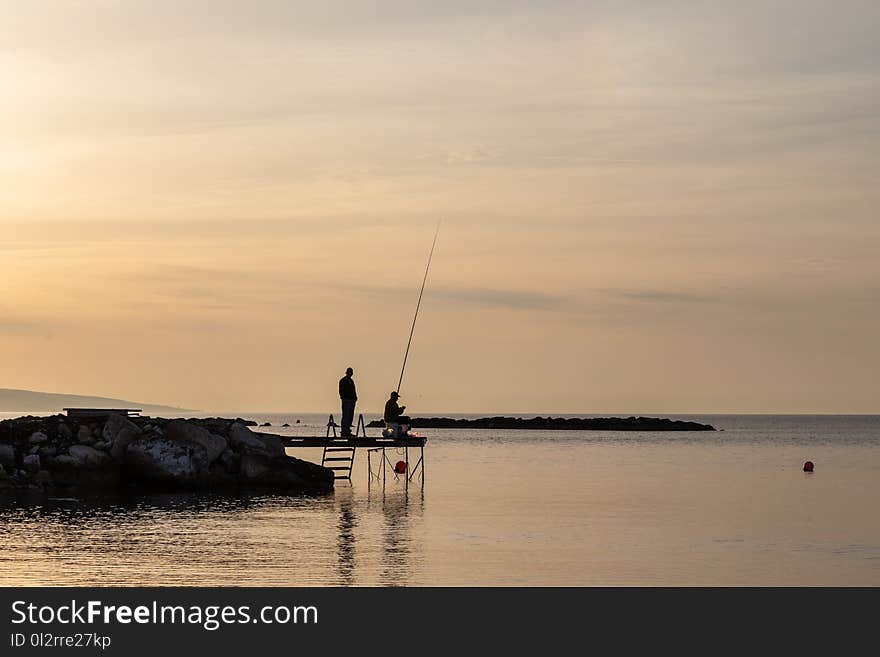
pixel 399 555
pixel 348 538
pixel 346 542
pixel 516 508
pixel 389 542
pixel 396 538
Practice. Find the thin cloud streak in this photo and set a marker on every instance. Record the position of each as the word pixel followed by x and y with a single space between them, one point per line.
pixel 659 296
pixel 507 299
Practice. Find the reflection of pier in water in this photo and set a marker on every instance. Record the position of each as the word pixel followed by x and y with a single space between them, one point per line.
pixel 397 538
pixel 346 540
pixel 394 545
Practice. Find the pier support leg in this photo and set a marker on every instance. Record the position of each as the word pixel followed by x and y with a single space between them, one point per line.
pixel 381 470
pixel 414 470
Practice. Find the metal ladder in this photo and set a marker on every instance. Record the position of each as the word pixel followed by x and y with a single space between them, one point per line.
pixel 341 458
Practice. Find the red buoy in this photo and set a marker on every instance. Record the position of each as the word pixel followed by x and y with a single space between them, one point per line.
pixel 808 466
pixel 400 467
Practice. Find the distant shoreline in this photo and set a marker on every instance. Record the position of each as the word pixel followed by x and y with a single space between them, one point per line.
pixel 30 401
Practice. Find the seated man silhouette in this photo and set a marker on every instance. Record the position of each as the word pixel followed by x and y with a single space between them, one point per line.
pixel 394 417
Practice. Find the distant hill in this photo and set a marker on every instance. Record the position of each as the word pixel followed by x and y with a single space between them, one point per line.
pixel 26 401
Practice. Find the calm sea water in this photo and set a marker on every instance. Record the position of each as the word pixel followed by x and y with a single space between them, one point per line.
pixel 502 508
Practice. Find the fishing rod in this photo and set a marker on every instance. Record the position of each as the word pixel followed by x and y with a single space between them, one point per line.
pixel 416 316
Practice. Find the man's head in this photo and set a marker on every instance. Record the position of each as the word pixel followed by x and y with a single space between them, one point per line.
pixel 394 395
pixel 349 372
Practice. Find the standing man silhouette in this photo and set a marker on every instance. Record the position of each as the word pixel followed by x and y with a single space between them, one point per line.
pixel 348 395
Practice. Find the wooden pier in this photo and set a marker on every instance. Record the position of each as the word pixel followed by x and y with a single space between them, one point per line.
pixel 339 452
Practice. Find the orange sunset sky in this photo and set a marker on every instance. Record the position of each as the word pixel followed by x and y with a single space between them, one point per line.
pixel 647 206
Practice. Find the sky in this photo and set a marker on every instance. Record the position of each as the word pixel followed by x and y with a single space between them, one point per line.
pixel 646 207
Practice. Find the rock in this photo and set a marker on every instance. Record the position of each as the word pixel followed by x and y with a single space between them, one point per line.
pixel 266 424
pixel 115 425
pixel 44 479
pixel 84 435
pixel 34 449
pixel 31 463
pixel 254 466
pixel 89 457
pixel 7 456
pixel 84 467
pixel 286 473
pixel 286 424
pixel 168 462
pixel 243 439
pixel 102 445
pixel 38 437
pixel 184 432
pixel 118 433
pixel 230 461
pixel 64 432
pixel 48 451
pixel 3 474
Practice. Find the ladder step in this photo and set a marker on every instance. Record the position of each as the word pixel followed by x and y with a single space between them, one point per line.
pixel 338 467
pixel 340 449
pixel 347 460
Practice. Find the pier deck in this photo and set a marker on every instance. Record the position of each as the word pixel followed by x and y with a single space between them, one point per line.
pixel 360 441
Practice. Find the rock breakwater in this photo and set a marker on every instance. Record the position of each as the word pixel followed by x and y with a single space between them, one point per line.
pixel 558 423
pixel 57 452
